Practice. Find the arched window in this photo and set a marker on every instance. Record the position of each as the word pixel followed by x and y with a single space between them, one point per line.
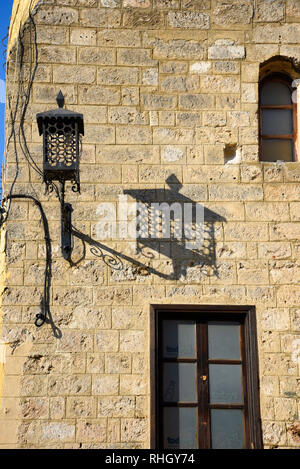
pixel 278 119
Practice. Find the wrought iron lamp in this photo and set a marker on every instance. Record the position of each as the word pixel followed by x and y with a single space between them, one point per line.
pixel 62 131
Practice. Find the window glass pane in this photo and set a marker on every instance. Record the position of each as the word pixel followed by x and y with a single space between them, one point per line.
pixel 224 340
pixel 277 121
pixel 275 149
pixel 180 430
pixel 179 339
pixel 225 384
pixel 179 382
pixel 274 93
pixel 227 429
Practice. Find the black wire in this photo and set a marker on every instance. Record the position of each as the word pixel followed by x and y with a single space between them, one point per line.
pixel 27 94
pixel 22 100
pixel 45 316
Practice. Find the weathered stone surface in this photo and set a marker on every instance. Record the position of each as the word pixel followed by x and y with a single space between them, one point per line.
pixel 116 407
pixel 169 92
pixel 135 57
pixel 64 385
pixel 91 430
pixel 133 429
pixel 78 407
pixel 267 10
pixel 227 12
pixel 226 50
pixel 122 38
pixel 178 49
pixel 188 19
pixel 58 15
pixel 270 34
pixel 274 250
pixel 158 101
pixel 83 37
pixel 72 74
pixel 99 95
pixel 105 385
pixel 57 54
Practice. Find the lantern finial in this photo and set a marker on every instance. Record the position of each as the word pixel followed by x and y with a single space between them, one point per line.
pixel 60 99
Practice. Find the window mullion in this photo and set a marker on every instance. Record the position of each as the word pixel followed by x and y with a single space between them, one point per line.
pixel 201 444
pixel 202 382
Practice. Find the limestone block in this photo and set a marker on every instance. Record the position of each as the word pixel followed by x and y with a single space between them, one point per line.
pixel 285 409
pixel 96 56
pixel 240 192
pixel 134 385
pixel 127 154
pixel 179 84
pixel 118 362
pixel 56 15
pixel 48 93
pixel 288 295
pixel 225 67
pixel 188 19
pixel 52 35
pixel 35 408
pixel 81 407
pixel 57 54
pixel 107 341
pixel 173 67
pixel 105 385
pixel 274 250
pixel 253 272
pixel 100 17
pixel 133 341
pixel 200 67
pixel 141 57
pixel 95 363
pixel 133 429
pixel 220 84
pixel 281 192
pixel 118 76
pixel 267 10
pixel 165 135
pixel 178 49
pixel 158 101
pixel 119 38
pixel 284 231
pixel 66 385
pixel 227 12
pixel 91 430
pixel 274 433
pixel 83 37
pixel 226 50
pixel 57 408
pixel 119 406
pixel 292 9
pixel 74 74
pixel 268 211
pixel 285 272
pixel 74 341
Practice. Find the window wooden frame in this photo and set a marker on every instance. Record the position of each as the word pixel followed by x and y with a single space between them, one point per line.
pixel 287 81
pixel 247 316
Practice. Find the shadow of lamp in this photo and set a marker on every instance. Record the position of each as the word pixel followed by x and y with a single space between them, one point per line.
pixel 62 130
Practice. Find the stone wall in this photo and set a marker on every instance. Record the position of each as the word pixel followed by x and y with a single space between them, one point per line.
pixel 19 16
pixel 168 89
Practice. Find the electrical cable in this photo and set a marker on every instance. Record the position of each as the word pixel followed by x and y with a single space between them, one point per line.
pixel 21 100
pixel 45 316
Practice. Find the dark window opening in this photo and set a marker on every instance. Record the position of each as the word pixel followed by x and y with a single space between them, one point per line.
pixel 204 378
pixel 278 119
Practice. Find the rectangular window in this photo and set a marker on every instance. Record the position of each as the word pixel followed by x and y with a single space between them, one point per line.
pixel 204 378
